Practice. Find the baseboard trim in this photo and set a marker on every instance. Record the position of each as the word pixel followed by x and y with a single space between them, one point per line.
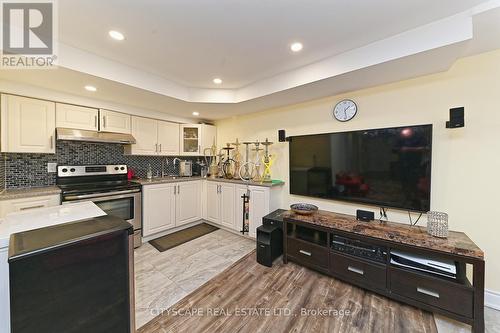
pixel 492 299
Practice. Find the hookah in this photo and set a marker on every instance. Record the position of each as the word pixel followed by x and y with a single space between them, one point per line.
pixel 246 171
pixel 268 161
pixel 213 168
pixel 257 164
pixel 220 173
pixel 236 158
pixel 228 164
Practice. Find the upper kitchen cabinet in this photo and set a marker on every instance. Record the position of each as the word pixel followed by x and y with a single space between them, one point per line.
pixel 154 137
pixel 190 138
pixel 168 138
pixel 28 125
pixel 195 138
pixel 115 122
pixel 77 117
pixel 145 132
pixel 208 136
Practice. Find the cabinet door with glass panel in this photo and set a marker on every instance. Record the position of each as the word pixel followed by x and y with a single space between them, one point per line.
pixel 190 140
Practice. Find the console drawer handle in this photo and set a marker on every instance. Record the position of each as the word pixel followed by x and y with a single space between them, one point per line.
pixel 427 292
pixel 355 270
pixel 305 253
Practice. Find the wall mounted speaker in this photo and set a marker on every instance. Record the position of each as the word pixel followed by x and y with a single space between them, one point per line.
pixel 281 136
pixel 457 118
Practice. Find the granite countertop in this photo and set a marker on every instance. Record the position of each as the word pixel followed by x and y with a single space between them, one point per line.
pixel 252 183
pixel 164 180
pixel 20 193
pixel 457 242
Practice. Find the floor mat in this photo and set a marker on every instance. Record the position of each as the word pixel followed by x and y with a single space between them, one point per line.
pixel 180 237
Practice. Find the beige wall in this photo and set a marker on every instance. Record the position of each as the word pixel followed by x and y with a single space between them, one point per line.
pixel 466 162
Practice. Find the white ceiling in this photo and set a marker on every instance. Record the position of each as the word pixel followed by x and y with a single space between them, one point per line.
pixel 242 41
pixel 174 48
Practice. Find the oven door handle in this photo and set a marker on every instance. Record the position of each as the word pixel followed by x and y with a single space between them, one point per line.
pixel 98 195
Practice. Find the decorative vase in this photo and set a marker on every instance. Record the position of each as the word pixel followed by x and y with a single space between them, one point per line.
pixel 437 224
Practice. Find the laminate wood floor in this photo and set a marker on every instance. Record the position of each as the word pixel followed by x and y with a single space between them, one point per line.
pixel 248 297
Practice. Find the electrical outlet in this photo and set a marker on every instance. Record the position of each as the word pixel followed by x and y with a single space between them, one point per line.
pixel 51 167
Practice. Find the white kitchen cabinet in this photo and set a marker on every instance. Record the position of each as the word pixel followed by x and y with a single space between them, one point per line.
pixel 227 205
pixel 170 205
pixel 188 202
pixel 158 208
pixel 208 136
pixel 194 138
pixel 259 207
pixel 153 137
pixel 221 204
pixel 212 207
pixel 145 132
pixel 27 125
pixel 115 122
pixel 190 139
pixel 77 117
pixel 24 204
pixel 168 138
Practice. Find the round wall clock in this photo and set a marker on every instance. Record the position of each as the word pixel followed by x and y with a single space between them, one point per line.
pixel 345 110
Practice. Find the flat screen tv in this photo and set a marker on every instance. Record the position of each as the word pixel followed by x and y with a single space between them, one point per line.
pixel 388 167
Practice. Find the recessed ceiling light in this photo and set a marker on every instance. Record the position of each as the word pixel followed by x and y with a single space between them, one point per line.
pixel 116 35
pixel 217 80
pixel 196 113
pixel 296 47
pixel 90 88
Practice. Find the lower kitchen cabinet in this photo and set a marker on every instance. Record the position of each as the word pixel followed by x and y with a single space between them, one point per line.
pixel 221 204
pixel 188 202
pixel 158 208
pixel 260 206
pixel 170 205
pixel 225 204
pixel 24 204
pixel 212 207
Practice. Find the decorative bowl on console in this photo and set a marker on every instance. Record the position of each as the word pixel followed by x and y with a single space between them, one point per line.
pixel 304 209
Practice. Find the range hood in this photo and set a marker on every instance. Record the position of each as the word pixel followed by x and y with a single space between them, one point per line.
pixel 69 134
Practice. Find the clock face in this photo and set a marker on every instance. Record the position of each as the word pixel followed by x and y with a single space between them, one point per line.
pixel 345 110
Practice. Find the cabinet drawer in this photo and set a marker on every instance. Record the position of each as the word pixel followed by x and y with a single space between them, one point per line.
pixel 358 271
pixel 433 291
pixel 308 253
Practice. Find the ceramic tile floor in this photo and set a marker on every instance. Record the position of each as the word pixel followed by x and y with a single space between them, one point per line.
pixel 164 278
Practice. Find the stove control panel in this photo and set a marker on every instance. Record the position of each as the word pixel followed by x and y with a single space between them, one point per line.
pixel 90 170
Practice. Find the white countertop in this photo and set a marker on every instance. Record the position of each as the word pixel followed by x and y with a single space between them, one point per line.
pixel 45 217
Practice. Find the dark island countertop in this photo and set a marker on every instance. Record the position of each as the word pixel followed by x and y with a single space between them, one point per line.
pixel 457 243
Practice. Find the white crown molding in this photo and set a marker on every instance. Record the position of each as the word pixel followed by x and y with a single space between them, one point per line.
pixel 27 90
pixel 445 32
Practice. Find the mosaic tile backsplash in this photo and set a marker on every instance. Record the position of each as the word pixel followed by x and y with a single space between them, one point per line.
pixel 30 170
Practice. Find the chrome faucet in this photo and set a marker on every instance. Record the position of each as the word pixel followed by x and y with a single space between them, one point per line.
pixel 163 163
pixel 175 162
